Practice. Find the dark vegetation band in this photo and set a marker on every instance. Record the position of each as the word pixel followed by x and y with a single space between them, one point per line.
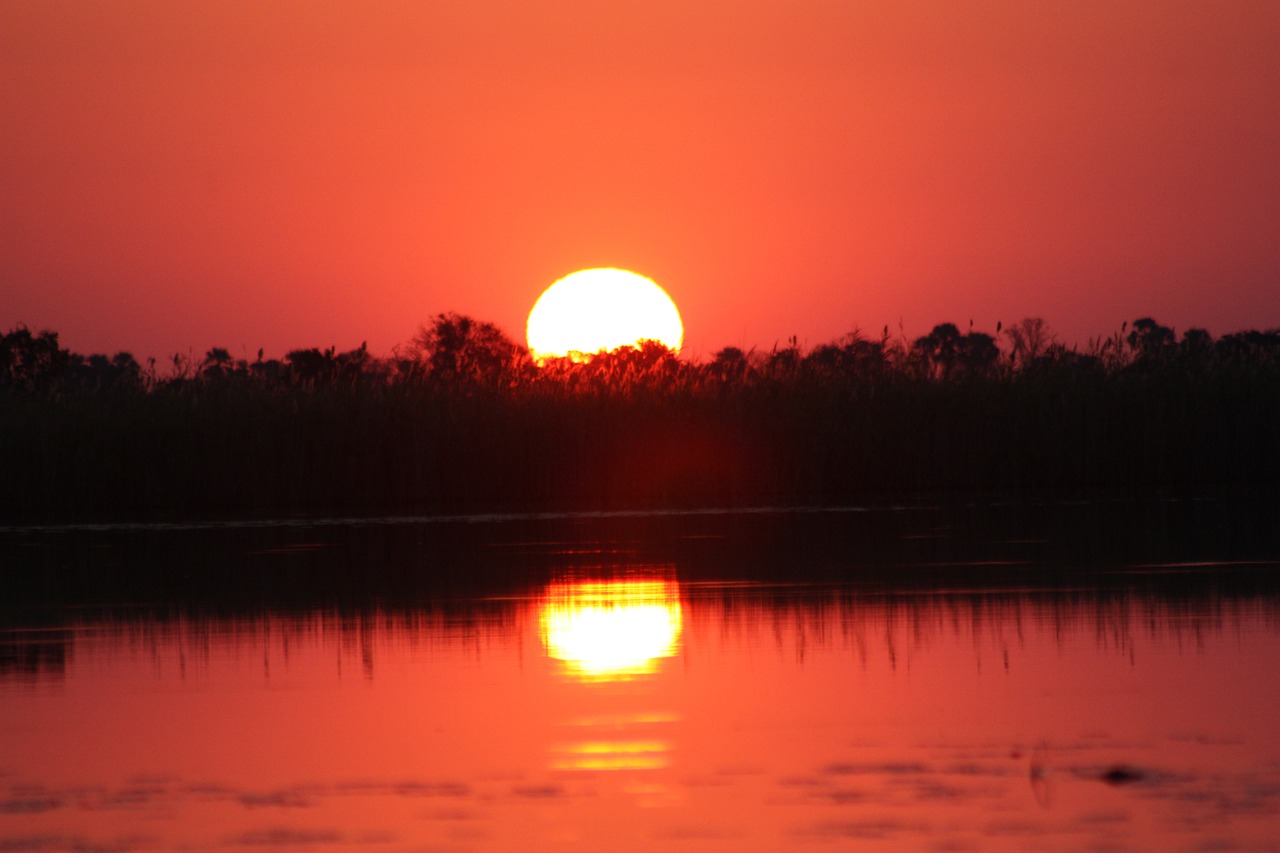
pixel 462 420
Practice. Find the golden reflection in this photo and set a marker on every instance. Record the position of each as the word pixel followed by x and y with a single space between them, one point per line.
pixel 628 741
pixel 614 755
pixel 613 629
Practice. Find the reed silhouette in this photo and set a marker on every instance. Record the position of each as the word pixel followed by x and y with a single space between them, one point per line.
pixel 462 419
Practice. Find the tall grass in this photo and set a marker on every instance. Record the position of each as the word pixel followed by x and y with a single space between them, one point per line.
pixel 855 421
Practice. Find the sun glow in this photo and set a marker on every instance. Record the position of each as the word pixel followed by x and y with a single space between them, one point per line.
pixel 607 630
pixel 601 309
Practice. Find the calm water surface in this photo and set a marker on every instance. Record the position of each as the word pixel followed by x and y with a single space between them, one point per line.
pixel 984 680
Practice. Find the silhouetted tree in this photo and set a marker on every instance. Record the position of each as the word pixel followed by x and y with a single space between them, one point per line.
pixel 851 356
pixel 313 366
pixel 30 361
pixel 1149 340
pixel 1252 348
pixel 977 353
pixel 1195 350
pixel 99 371
pixel 1057 360
pixel 271 370
pixel 938 351
pixel 459 349
pixel 866 357
pixel 1196 340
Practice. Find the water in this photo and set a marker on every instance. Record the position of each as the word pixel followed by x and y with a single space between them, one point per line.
pixel 1075 676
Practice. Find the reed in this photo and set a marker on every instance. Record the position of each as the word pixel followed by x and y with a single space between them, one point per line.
pixel 853 421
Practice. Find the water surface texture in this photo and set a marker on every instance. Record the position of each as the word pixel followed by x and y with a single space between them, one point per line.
pixel 908 679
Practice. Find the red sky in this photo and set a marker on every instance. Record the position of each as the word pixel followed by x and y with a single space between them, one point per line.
pixel 176 176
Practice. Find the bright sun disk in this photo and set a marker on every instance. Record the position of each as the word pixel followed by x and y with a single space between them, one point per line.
pixel 596 310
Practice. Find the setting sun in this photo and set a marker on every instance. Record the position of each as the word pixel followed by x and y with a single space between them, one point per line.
pixel 601 309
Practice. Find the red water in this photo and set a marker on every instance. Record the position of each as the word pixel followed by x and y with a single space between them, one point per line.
pixel 652 717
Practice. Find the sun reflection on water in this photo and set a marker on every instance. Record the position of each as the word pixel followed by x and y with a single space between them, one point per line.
pixel 607 630
pixel 615 755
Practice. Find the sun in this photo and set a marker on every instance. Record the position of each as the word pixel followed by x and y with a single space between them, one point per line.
pixel 601 309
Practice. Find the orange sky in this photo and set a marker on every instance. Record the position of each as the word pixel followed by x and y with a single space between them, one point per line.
pixel 175 176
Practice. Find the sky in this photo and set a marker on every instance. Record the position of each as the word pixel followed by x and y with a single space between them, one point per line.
pixel 178 176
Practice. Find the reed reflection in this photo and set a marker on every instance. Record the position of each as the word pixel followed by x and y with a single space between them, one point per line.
pixel 613 629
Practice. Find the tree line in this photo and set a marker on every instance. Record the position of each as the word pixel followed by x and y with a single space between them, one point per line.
pixel 456 350
pixel 461 419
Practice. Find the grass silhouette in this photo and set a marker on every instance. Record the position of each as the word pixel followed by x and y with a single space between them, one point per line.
pixel 464 421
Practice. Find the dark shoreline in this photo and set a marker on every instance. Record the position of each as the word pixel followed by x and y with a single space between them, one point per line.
pixel 1159 543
